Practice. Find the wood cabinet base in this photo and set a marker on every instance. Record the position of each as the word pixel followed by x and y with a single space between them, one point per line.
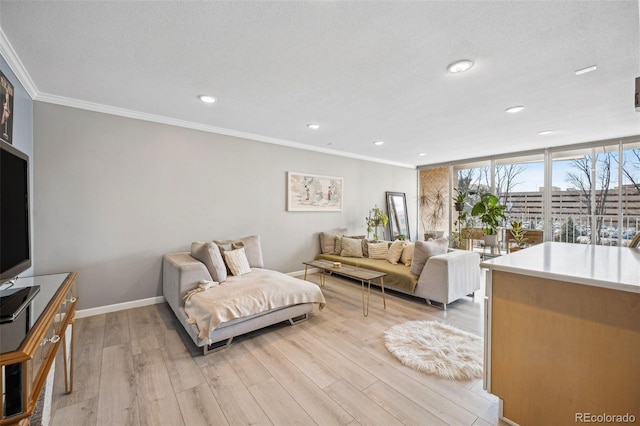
pixel 561 351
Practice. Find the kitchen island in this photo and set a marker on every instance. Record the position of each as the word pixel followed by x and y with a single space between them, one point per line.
pixel 562 334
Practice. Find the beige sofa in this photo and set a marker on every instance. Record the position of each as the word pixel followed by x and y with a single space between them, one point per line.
pixel 182 273
pixel 444 277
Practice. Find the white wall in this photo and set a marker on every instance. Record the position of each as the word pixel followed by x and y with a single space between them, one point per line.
pixel 113 194
pixel 22 135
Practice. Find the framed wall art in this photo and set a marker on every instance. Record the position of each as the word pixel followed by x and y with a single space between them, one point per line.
pixel 307 192
pixel 6 119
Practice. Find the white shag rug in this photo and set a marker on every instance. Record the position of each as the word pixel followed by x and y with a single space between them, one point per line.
pixel 436 348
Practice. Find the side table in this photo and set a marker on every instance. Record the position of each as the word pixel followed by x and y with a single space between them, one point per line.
pixel 30 342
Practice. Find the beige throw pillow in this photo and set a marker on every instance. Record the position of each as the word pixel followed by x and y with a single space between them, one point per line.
pixel 378 250
pixel 227 246
pixel 327 240
pixel 237 261
pixel 424 250
pixel 338 245
pixel 351 247
pixel 407 253
pixel 252 247
pixel 395 251
pixel 209 254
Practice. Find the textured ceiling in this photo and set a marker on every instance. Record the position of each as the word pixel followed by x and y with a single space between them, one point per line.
pixel 365 71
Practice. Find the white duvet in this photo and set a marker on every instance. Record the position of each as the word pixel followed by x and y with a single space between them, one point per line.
pixel 261 290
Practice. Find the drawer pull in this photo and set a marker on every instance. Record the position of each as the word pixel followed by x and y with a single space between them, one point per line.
pixel 53 339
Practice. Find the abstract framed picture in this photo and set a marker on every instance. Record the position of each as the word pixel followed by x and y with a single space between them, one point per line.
pixel 6 119
pixel 307 192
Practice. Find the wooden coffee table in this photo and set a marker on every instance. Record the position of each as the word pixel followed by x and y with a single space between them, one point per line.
pixel 353 272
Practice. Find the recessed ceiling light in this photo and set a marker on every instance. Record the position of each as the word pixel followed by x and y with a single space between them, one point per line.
pixel 586 70
pixel 422 154
pixel 207 99
pixel 545 132
pixel 313 126
pixel 514 109
pixel 460 66
pixel 378 143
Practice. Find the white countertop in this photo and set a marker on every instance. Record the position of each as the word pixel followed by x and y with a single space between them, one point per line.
pixel 617 268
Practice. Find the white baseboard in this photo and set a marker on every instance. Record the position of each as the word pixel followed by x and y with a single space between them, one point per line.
pixel 119 307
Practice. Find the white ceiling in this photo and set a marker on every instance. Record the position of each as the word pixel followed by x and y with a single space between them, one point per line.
pixel 365 71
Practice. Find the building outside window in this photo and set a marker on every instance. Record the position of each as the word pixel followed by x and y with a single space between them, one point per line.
pixel 594 191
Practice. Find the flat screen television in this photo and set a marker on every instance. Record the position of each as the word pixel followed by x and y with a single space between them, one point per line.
pixel 15 241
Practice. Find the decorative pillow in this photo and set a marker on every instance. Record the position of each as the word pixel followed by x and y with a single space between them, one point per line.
pixel 251 244
pixel 378 250
pixel 327 240
pixel 407 253
pixel 395 251
pixel 338 245
pixel 237 261
pixel 209 254
pixel 351 247
pixel 364 243
pixel 424 250
pixel 227 246
pixel 253 250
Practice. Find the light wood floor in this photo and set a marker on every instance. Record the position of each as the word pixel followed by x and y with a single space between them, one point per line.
pixel 138 367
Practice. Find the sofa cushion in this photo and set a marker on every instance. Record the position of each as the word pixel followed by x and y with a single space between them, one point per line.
pixel 209 254
pixel 351 247
pixel 237 261
pixel 227 246
pixel 338 245
pixel 407 253
pixel 395 251
pixel 378 250
pixel 252 247
pixel 423 250
pixel 327 240
pixel 398 276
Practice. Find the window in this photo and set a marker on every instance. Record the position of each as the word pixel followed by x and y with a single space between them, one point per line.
pixel 519 184
pixel 593 198
pixel 630 190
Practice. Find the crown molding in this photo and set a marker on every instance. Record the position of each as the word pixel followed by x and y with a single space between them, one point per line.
pixel 16 65
pixel 21 73
pixel 106 109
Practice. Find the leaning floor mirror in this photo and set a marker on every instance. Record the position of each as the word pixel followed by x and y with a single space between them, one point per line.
pixel 398 220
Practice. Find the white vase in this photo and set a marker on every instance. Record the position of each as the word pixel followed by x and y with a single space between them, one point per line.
pixel 490 240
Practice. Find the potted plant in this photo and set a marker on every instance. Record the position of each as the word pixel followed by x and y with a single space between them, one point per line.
pixel 375 219
pixel 489 211
pixel 460 199
pixel 433 206
pixel 518 233
pixel 464 224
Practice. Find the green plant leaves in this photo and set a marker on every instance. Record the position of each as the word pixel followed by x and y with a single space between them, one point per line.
pixel 489 212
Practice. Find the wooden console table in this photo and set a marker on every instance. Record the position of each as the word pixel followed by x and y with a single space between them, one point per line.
pixel 30 342
pixel 353 272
